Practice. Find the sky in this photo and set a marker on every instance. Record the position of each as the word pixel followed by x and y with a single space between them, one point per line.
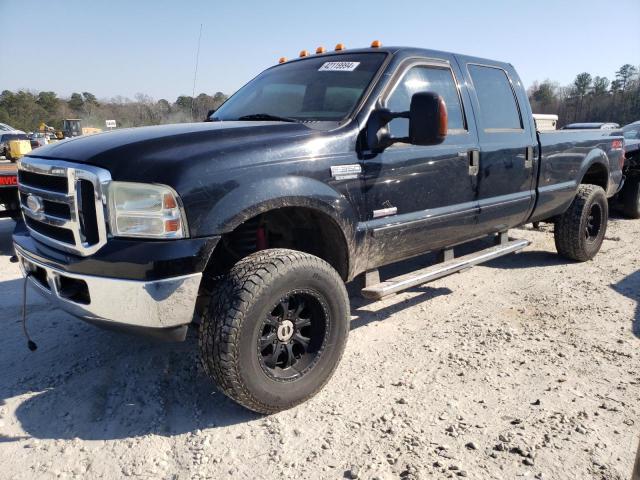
pixel 121 48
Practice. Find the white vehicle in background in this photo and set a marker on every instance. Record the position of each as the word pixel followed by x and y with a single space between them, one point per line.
pixel 545 122
pixel 8 128
pixel 592 126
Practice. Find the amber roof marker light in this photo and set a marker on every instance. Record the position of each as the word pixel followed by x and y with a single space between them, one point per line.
pixel 339 47
pixel 376 44
pixel 320 50
pixel 304 53
pixel 282 59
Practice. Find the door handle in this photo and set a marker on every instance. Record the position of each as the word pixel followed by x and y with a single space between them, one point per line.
pixel 528 157
pixel 473 156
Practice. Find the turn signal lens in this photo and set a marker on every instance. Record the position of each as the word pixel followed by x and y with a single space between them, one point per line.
pixel 169 201
pixel 320 50
pixel 304 53
pixel 443 120
pixel 172 225
pixel 282 59
pixel 339 47
pixel 376 44
pixel 618 144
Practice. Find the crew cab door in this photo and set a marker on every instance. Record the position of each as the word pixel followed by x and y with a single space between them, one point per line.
pixel 422 197
pixel 508 147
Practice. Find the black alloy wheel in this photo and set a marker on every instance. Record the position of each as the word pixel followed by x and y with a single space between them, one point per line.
pixel 594 223
pixel 293 335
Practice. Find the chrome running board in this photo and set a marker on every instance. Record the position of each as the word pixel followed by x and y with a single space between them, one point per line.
pixel 439 270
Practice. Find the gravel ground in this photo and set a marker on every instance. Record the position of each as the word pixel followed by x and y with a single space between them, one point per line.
pixel 524 367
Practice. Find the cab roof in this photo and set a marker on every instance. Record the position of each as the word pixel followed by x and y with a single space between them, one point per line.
pixel 405 52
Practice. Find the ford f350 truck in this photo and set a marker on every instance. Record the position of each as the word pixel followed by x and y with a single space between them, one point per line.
pixel 319 170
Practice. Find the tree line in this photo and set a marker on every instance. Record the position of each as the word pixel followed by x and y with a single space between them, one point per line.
pixel 25 110
pixel 588 99
pixel 591 98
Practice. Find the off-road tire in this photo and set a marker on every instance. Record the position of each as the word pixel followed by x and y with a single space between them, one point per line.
pixel 231 324
pixel 570 228
pixel 630 198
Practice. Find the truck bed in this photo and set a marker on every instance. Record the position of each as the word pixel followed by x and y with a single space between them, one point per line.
pixel 564 159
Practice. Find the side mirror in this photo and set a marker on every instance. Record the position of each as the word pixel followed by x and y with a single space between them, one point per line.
pixel 427 119
pixel 427 123
pixel 209 113
pixel 378 137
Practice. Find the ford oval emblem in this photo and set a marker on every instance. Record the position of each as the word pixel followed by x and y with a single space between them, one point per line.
pixel 34 203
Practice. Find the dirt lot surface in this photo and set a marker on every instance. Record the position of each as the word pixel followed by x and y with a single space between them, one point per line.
pixel 525 367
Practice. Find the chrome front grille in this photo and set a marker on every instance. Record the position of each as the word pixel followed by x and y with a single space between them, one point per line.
pixel 63 203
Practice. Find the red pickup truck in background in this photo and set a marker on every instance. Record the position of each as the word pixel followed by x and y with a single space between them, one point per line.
pixel 9 190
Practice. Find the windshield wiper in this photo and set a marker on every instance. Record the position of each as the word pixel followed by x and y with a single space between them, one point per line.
pixel 266 116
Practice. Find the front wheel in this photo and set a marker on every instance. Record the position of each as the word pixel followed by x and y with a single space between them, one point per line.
pixel 579 232
pixel 630 197
pixel 275 329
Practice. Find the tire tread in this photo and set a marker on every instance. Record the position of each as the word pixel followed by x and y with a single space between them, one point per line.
pixel 568 232
pixel 226 311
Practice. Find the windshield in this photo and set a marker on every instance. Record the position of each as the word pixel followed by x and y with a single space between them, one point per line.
pixel 325 88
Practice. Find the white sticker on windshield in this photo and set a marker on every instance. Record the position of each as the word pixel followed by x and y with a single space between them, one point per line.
pixel 338 66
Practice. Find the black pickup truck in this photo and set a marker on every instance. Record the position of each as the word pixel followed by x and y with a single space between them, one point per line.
pixel 629 197
pixel 320 170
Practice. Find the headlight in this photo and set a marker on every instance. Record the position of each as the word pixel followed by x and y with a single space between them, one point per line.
pixel 145 210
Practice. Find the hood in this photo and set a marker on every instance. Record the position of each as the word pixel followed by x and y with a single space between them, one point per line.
pixel 162 145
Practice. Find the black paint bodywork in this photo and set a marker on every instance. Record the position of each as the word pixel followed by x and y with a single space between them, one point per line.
pixel 124 258
pixel 228 172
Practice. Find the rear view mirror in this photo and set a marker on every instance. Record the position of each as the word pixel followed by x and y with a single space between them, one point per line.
pixel 427 123
pixel 427 119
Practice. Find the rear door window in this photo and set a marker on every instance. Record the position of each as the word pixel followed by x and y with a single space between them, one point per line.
pixel 498 106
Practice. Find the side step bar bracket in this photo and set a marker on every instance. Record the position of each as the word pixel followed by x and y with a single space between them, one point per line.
pixel 447 267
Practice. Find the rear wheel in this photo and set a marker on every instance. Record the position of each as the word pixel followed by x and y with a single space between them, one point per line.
pixel 630 197
pixel 579 232
pixel 275 329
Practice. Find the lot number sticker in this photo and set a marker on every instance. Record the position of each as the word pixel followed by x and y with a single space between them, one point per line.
pixel 338 66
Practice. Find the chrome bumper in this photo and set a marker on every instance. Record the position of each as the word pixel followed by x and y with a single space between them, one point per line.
pixel 159 304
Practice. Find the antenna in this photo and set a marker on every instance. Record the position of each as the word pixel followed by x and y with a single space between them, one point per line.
pixel 195 74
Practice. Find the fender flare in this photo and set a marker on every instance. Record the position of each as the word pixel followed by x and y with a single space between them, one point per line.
pixel 249 200
pixel 595 157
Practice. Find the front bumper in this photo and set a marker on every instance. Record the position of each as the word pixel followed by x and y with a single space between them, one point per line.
pixel 162 307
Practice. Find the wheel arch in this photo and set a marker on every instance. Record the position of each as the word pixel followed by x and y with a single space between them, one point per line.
pixel 595 170
pixel 316 205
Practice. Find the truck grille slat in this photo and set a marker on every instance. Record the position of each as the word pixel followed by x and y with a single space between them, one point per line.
pixel 67 210
pixel 54 183
pixel 49 195
pixel 48 219
pixel 40 230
